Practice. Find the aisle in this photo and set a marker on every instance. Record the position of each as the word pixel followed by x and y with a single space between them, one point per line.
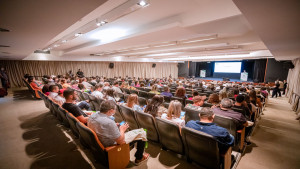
pixel 276 139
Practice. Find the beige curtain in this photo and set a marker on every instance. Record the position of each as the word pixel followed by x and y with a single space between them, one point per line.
pixel 293 81
pixel 17 69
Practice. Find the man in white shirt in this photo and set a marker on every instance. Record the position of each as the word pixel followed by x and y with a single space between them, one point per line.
pixel 116 87
pixel 86 84
pixel 59 99
pixel 53 91
pixel 98 91
pixel 106 86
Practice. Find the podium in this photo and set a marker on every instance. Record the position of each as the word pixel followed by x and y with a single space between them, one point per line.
pixel 202 73
pixel 244 76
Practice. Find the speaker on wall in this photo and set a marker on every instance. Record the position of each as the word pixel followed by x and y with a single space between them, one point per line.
pixel 111 65
pixel 154 65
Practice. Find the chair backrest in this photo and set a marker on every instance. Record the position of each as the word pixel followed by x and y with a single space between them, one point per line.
pixel 142 101
pixel 72 121
pixel 79 94
pixel 62 112
pixel 166 105
pixel 169 135
pixel 167 99
pixel 134 92
pixel 226 122
pixel 91 139
pixel 191 114
pixel 129 116
pixel 95 102
pixel 147 121
pixel 187 101
pixel 85 96
pixel 143 94
pixel 201 148
pixel 127 91
pixel 151 95
pixel 180 100
pixel 147 89
pixel 205 104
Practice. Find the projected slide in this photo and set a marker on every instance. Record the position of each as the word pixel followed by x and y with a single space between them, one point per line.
pixel 228 67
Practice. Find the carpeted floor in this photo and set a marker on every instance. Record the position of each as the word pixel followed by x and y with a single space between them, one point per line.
pixel 31 137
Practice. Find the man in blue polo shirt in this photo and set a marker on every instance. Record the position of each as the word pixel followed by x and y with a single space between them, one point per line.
pixel 206 125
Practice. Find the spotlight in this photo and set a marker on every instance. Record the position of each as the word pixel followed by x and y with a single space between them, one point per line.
pixel 78 34
pixel 101 23
pixel 143 3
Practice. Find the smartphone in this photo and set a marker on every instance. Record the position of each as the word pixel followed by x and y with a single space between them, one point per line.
pixel 123 122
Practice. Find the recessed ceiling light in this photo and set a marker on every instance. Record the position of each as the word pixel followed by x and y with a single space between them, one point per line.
pixel 101 23
pixel 56 45
pixel 64 41
pixel 78 34
pixel 143 3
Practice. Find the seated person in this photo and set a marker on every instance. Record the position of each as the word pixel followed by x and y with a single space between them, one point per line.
pixel 180 92
pixel 59 99
pixel 53 91
pixel 174 113
pixel 154 90
pixel 109 95
pixel 214 99
pixel 241 104
pixel 195 93
pixel 206 125
pixel 225 110
pixel 98 91
pixel 110 133
pixel 69 105
pixel 106 85
pixel 132 102
pixel 116 87
pixel 155 107
pixel 35 85
pixel 198 102
pixel 167 92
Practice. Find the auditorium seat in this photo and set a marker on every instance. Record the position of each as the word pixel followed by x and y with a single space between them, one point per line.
pixel 203 149
pixel 115 157
pixel 134 92
pixel 79 94
pixel 205 104
pixel 167 99
pixel 62 113
pixel 166 105
pixel 127 91
pixel 94 102
pixel 179 99
pixel 169 136
pixel 129 116
pixel 151 95
pixel 143 94
pixel 72 121
pixel 147 121
pixel 191 114
pixel 187 101
pixel 55 107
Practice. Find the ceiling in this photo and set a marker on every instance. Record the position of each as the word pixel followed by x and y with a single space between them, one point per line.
pixel 163 31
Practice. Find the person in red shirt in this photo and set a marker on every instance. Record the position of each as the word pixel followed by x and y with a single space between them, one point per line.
pixel 34 84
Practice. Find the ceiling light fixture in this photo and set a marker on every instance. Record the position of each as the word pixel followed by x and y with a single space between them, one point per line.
pixel 64 41
pixel 143 3
pixel 101 23
pixel 78 34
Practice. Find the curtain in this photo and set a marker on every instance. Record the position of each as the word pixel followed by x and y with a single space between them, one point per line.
pixel 259 70
pixel 293 89
pixel 17 69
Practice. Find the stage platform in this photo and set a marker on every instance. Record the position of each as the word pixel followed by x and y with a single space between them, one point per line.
pixel 221 79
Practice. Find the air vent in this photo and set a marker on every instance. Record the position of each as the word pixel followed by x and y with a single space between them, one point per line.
pixel 4 30
pixel 41 51
pixel 4 46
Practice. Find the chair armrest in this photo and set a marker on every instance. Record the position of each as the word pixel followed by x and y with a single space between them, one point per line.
pixel 242 137
pixel 118 156
pixel 227 158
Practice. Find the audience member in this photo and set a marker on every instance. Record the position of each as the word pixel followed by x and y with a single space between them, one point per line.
pixel 155 107
pixel 109 95
pixel 110 134
pixel 167 92
pixel 59 99
pixel 53 91
pixel 174 113
pixel 214 99
pixel 206 125
pixel 116 87
pixel 198 102
pixel 98 91
pixel 132 102
pixel 154 89
pixel 69 105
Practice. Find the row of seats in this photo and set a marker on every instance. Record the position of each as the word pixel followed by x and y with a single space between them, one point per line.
pixel 115 157
pixel 33 92
pixel 158 130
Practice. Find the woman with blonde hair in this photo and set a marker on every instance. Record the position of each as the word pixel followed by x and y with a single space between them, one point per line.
pixel 174 113
pixel 132 102
pixel 154 89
